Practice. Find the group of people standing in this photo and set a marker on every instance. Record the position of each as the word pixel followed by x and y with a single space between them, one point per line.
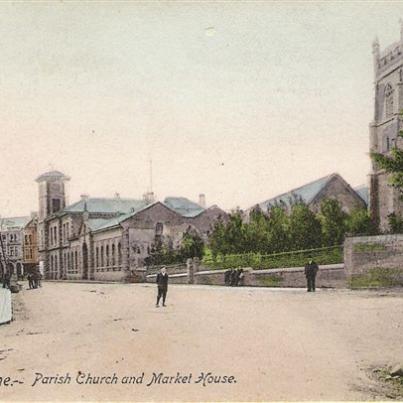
pixel 34 279
pixel 234 277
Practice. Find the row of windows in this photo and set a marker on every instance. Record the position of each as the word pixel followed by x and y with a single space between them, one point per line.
pixel 14 251
pixel 108 255
pixel 107 258
pixel 70 262
pixel 28 253
pixel 28 239
pixel 11 237
pixel 54 236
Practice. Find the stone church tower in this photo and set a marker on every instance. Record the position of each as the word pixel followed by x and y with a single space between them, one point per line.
pixel 384 130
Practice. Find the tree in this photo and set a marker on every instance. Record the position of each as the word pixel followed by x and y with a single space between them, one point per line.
pixel 392 164
pixel 359 223
pixel 191 246
pixel 256 232
pixel 278 230
pixel 305 228
pixel 395 223
pixel 333 220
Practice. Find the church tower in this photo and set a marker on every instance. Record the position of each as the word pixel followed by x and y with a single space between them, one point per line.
pixel 384 130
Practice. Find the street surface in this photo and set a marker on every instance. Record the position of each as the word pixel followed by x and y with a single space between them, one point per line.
pixel 276 344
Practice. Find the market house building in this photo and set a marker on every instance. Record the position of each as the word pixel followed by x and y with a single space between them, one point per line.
pixel 109 238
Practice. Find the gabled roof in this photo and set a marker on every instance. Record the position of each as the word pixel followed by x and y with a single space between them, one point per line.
pixel 51 175
pixel 106 205
pixel 14 222
pixel 97 224
pixel 363 192
pixel 306 193
pixel 183 206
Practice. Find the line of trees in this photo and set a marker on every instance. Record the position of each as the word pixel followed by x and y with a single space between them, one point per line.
pixel 278 230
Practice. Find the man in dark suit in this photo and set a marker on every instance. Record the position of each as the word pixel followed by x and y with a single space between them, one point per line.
pixel 162 281
pixel 311 268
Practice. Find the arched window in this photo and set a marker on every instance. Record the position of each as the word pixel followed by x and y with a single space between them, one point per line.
pixel 113 254
pixel 102 256
pixel 96 256
pixel 119 254
pixel 107 255
pixel 388 101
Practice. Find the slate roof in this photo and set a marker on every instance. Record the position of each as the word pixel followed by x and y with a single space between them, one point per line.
pixel 11 222
pixel 183 206
pixel 363 192
pixel 106 205
pixel 129 208
pixel 104 223
pixel 307 193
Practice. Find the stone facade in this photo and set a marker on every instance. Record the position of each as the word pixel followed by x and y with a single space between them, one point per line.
pixel 384 129
pixel 30 244
pixel 12 234
pixel 374 260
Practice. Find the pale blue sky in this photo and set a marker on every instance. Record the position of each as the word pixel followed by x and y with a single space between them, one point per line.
pixel 281 93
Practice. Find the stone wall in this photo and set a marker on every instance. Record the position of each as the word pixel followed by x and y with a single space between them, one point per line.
pixel 330 276
pixel 375 261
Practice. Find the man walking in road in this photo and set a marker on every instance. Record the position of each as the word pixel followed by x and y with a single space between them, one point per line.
pixel 311 268
pixel 162 282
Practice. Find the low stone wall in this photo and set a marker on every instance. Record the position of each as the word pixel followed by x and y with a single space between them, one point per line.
pixel 119 275
pixel 330 276
pixel 180 278
pixel 171 269
pixel 375 261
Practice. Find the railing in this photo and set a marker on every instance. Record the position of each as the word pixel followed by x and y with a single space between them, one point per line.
pixel 327 255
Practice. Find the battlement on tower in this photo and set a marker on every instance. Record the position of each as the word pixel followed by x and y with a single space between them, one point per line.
pixel 390 57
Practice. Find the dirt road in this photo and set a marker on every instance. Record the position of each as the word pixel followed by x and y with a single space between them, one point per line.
pixel 275 344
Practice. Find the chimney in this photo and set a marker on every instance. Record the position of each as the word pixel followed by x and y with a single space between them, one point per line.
pixel 84 197
pixel 33 214
pixel 117 195
pixel 202 200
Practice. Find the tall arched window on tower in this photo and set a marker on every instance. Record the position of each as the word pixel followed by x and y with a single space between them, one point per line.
pixel 388 101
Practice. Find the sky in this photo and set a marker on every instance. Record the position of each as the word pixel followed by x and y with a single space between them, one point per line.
pixel 241 101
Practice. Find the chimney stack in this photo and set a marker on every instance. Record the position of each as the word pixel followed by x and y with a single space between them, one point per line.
pixel 84 197
pixel 202 200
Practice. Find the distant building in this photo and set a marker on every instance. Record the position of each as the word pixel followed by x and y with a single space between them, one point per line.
pixel 384 129
pixel 329 187
pixel 107 238
pixel 30 244
pixel 12 233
